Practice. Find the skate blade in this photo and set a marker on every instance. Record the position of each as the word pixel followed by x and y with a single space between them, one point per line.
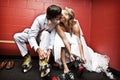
pixel 45 73
pixel 26 70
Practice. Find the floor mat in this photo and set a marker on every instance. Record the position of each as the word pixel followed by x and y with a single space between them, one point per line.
pixel 34 74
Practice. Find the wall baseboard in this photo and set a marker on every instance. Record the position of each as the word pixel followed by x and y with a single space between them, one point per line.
pixel 7 41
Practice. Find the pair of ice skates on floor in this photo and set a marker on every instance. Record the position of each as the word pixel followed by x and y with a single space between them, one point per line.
pixel 44 67
pixel 78 64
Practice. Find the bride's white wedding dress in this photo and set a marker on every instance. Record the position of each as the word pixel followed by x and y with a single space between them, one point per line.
pixel 94 61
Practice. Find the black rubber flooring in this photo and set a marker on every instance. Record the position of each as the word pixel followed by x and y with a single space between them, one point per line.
pixel 34 74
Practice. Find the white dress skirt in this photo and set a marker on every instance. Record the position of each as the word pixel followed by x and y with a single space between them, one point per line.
pixel 94 61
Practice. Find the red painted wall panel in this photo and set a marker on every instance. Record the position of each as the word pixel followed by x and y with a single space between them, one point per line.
pixel 16 15
pixel 105 29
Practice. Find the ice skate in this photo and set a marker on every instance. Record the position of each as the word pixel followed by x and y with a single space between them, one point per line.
pixel 27 63
pixel 44 68
pixel 78 63
pixel 66 76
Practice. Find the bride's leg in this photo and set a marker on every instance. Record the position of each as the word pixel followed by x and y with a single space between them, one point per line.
pixel 67 73
pixel 63 58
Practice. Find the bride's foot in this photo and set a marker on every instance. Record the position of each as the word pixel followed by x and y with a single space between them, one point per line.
pixel 66 70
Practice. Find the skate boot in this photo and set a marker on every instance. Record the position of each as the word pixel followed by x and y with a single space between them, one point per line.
pixel 66 76
pixel 44 68
pixel 78 63
pixel 27 63
pixel 69 76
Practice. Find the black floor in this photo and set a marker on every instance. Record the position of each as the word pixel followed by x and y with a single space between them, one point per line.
pixel 33 74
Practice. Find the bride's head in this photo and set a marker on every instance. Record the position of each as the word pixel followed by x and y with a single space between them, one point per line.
pixel 67 14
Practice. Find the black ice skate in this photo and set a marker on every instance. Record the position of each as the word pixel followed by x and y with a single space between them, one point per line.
pixel 78 63
pixel 66 76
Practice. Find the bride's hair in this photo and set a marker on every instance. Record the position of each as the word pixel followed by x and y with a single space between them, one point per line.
pixel 71 15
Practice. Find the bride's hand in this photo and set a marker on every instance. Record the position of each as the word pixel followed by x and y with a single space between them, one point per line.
pixel 84 60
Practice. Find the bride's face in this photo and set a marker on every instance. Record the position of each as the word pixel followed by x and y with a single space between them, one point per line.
pixel 65 16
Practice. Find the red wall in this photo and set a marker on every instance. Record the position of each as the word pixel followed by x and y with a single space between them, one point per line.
pixel 15 15
pixel 105 29
pixel 93 15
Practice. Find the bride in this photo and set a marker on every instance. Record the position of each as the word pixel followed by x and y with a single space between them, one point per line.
pixel 70 41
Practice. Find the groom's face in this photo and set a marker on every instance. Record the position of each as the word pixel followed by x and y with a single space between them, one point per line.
pixel 57 19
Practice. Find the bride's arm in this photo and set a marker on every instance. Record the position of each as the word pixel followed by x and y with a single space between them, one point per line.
pixel 76 30
pixel 64 39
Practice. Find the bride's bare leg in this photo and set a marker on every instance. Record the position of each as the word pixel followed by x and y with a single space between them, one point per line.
pixel 63 58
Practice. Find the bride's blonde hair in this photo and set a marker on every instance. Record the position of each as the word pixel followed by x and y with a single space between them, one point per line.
pixel 71 15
